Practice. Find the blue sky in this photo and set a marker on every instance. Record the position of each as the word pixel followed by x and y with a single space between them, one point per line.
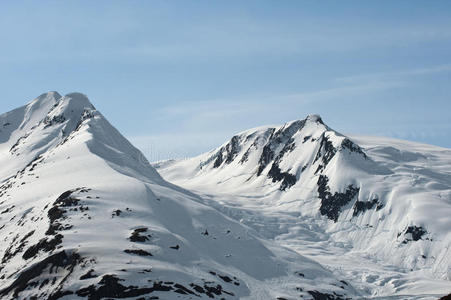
pixel 180 77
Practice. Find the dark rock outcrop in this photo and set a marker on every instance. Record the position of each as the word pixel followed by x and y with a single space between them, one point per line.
pixel 331 204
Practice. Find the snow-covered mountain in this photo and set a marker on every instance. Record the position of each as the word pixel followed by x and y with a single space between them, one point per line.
pixel 376 211
pixel 83 215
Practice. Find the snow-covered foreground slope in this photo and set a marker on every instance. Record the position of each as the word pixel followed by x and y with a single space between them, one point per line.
pixel 375 211
pixel 84 215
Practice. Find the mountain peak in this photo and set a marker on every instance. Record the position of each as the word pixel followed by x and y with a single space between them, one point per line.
pixel 282 156
pixel 314 118
pixel 78 97
pixel 73 105
pixel 53 97
pixel 45 96
pixel 43 101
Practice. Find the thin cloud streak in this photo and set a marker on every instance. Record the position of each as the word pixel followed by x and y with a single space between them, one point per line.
pixel 228 37
pixel 252 104
pixel 389 75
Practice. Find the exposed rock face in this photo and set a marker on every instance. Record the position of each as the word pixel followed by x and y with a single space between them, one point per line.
pixel 325 153
pixel 414 233
pixel 51 267
pixel 228 153
pixel 287 180
pixel 362 206
pixel 331 204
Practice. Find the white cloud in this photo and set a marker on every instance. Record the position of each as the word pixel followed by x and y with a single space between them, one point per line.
pixel 386 76
pixel 261 104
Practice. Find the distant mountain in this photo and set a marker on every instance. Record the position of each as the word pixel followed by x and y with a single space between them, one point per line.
pixel 305 184
pixel 83 215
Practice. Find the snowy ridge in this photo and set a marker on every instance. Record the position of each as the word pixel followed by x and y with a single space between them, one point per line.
pixel 377 198
pixel 83 215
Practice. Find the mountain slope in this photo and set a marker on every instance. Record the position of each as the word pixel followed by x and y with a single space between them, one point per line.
pixel 84 215
pixel 303 183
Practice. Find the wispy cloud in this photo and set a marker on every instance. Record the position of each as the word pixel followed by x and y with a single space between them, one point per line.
pixel 388 76
pixel 138 35
pixel 207 111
